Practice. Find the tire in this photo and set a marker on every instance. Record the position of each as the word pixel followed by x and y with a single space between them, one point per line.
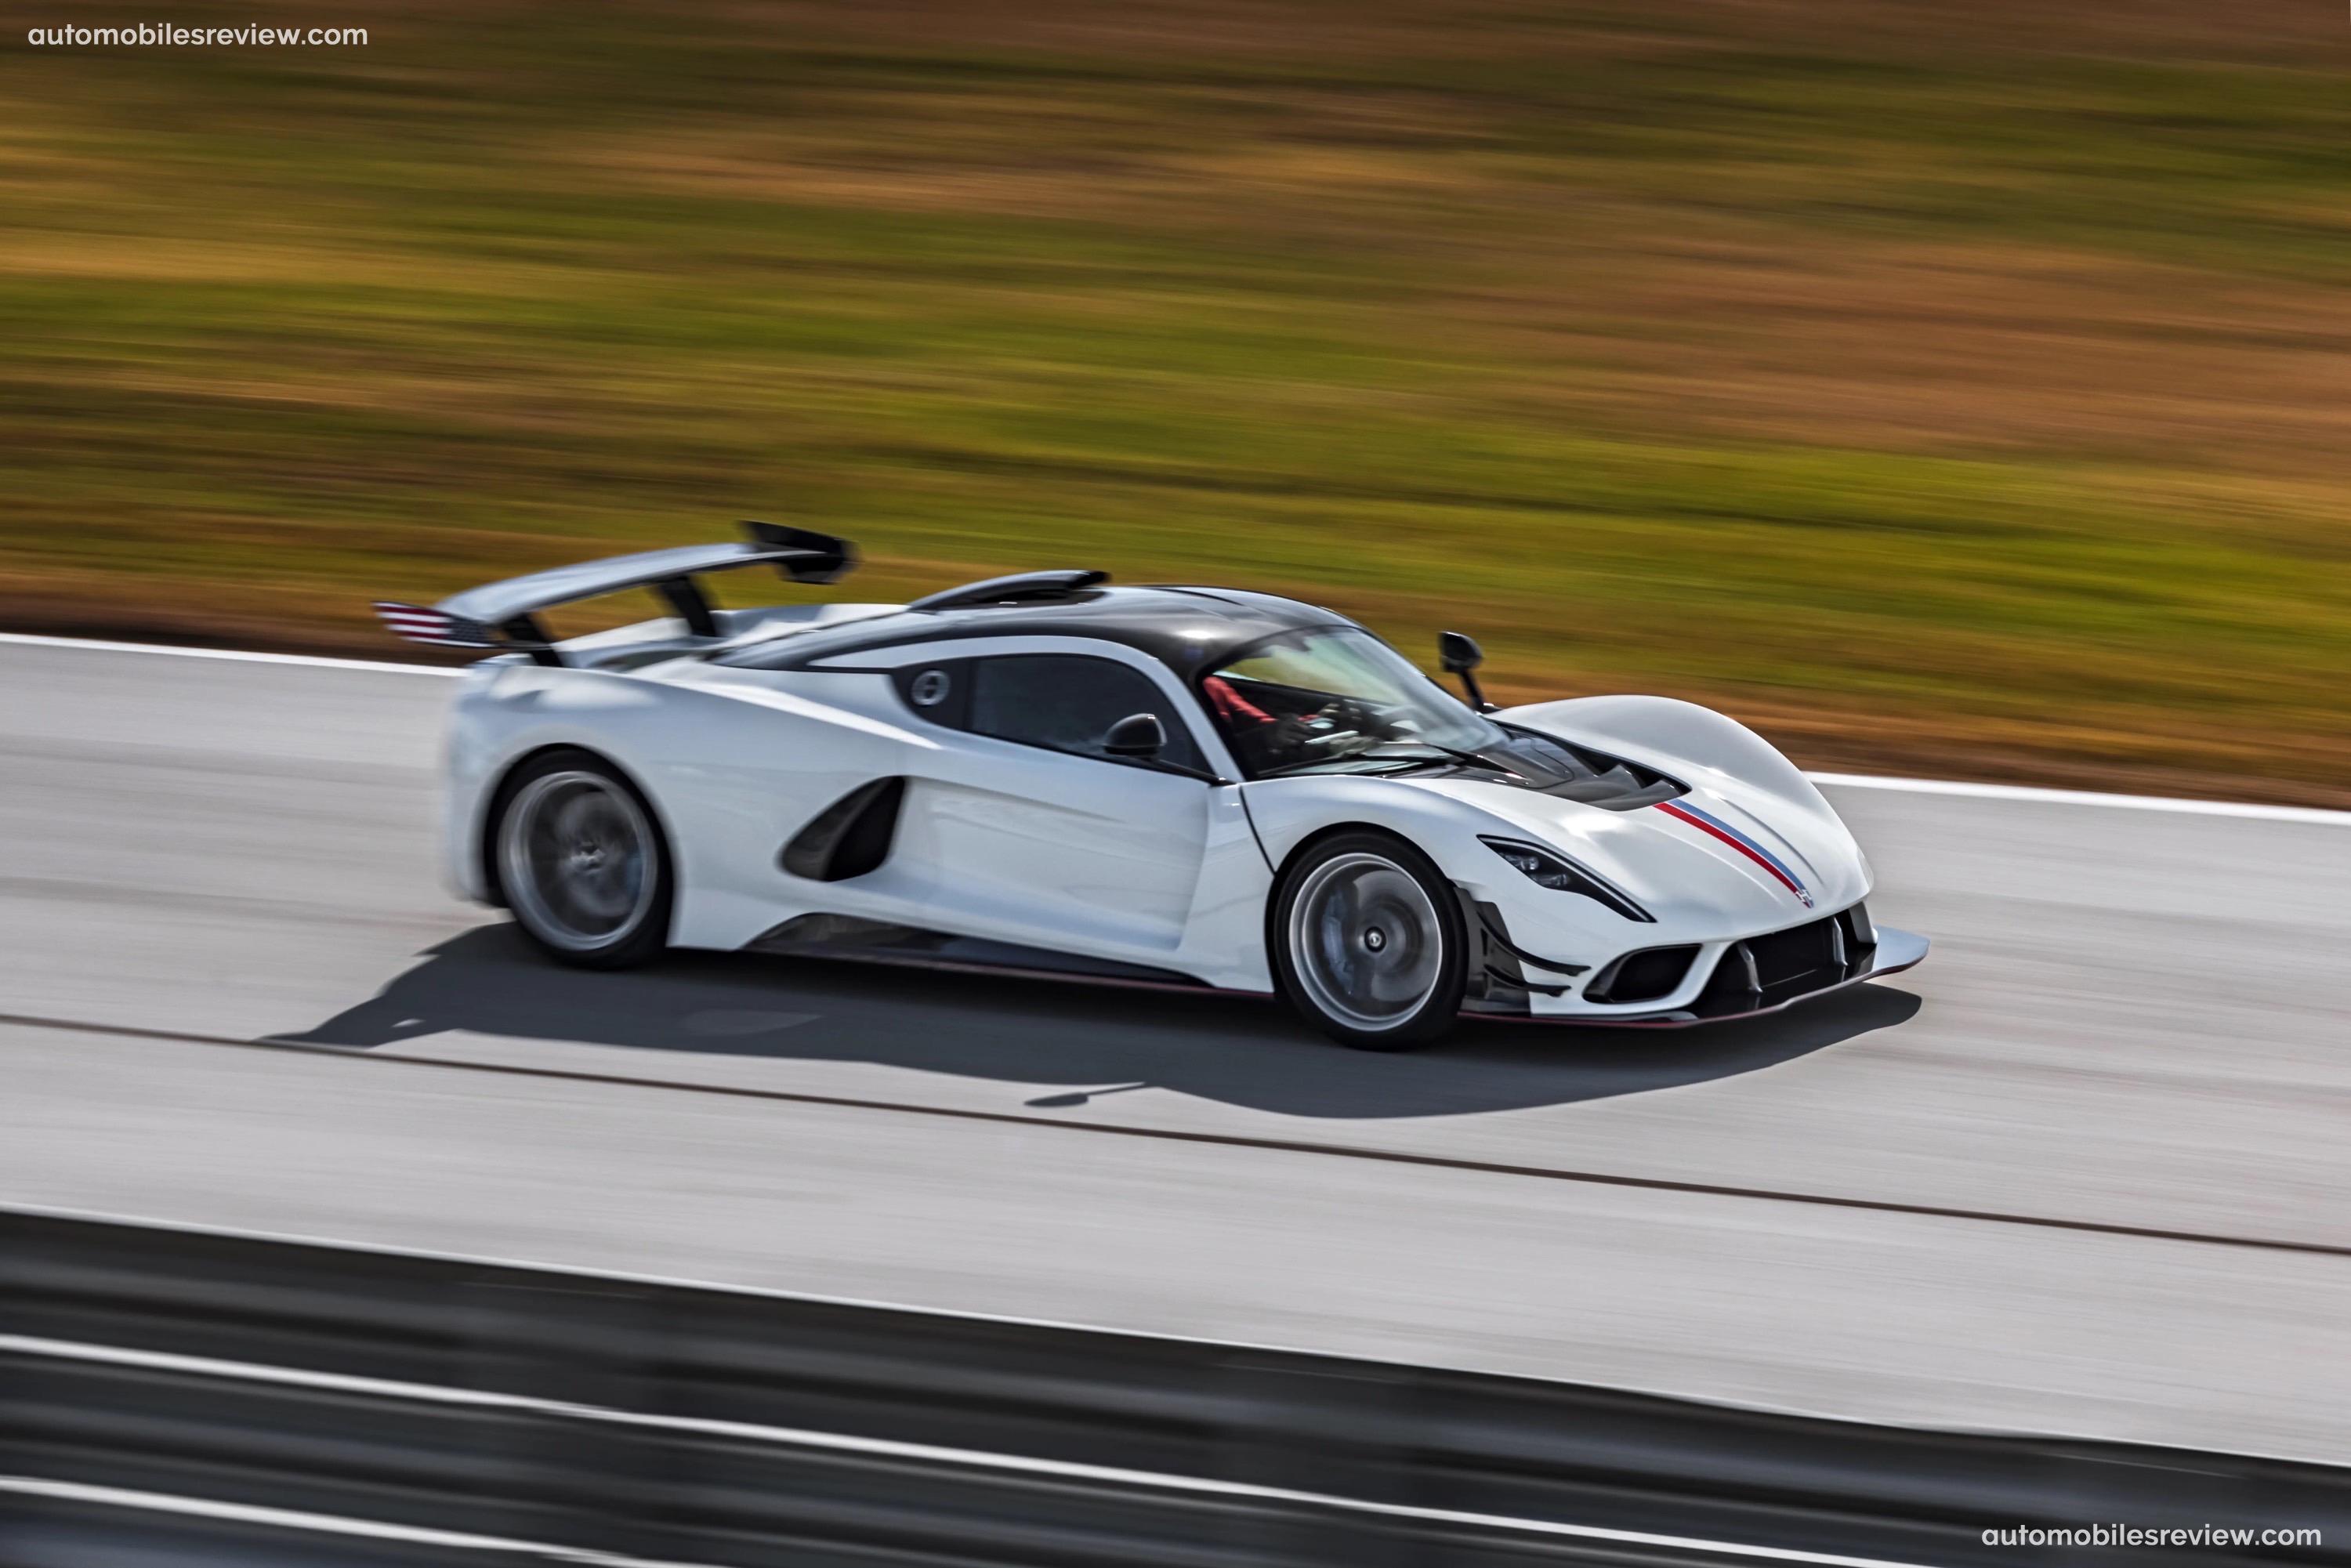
pixel 1368 942
pixel 580 858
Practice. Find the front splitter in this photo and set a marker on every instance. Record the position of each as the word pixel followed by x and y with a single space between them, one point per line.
pixel 1896 951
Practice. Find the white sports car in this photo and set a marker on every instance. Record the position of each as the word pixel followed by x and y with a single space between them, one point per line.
pixel 1173 786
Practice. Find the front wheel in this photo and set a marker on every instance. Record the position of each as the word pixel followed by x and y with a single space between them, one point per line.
pixel 581 863
pixel 1368 942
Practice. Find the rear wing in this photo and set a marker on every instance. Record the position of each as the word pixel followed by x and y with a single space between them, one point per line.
pixel 505 614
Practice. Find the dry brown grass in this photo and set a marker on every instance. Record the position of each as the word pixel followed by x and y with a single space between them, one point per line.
pixel 1953 390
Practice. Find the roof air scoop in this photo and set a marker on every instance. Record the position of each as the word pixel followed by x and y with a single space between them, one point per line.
pixel 1022 587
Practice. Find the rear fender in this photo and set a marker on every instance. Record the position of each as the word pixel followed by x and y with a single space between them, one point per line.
pixel 730 773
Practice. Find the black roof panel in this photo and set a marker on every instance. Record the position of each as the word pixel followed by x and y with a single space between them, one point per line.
pixel 1186 629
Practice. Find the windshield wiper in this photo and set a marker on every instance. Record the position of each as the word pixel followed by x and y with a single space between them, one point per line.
pixel 1467 759
pixel 1406 752
pixel 1399 763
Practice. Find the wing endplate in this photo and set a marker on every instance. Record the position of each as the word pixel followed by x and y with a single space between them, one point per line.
pixel 423 624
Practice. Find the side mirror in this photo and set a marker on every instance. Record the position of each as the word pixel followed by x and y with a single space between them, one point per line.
pixel 1459 654
pixel 1138 735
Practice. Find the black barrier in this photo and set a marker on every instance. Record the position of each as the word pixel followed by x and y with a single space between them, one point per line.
pixel 162 1391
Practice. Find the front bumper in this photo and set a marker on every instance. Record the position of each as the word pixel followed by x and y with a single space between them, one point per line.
pixel 1894 952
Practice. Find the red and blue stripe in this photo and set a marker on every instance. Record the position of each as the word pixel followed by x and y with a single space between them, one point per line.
pixel 1707 822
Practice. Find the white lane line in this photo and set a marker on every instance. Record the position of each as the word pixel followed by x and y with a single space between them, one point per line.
pixel 891 1449
pixel 951 1314
pixel 862 1303
pixel 235 656
pixel 2088 798
pixel 317 1523
pixel 1848 781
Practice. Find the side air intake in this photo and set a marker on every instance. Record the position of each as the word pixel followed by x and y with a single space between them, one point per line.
pixel 1642 976
pixel 850 837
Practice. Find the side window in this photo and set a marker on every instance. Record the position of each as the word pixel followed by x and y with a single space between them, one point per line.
pixel 1068 702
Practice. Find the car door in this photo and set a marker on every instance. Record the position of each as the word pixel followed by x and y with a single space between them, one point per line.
pixel 1036 834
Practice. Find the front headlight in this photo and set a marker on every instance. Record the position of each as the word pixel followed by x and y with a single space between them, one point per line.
pixel 1549 868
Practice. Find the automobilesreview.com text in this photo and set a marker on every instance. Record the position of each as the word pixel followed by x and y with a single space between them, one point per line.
pixel 2148 1535
pixel 151 34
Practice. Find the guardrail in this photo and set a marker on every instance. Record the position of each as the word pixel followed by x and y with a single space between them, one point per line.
pixel 176 1396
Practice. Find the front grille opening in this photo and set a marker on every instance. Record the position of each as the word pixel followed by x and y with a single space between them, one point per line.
pixel 1792 954
pixel 1781 963
pixel 1643 977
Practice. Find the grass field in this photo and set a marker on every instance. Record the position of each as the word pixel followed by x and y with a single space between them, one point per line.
pixel 1943 389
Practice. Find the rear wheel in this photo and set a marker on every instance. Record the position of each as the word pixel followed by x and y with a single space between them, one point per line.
pixel 1368 942
pixel 581 863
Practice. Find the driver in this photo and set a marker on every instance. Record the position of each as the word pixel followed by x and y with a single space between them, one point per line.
pixel 1238 714
pixel 1262 740
pixel 1266 740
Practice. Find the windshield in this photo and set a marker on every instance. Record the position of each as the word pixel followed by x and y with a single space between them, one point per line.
pixel 1336 701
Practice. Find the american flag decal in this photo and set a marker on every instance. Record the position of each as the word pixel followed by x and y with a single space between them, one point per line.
pixel 422 623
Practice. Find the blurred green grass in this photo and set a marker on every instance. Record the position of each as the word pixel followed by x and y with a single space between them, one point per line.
pixel 1949 391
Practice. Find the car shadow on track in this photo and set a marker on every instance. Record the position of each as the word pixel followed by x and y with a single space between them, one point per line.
pixel 1240 1050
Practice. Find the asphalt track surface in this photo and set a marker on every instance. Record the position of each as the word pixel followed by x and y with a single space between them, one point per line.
pixel 2083 1172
